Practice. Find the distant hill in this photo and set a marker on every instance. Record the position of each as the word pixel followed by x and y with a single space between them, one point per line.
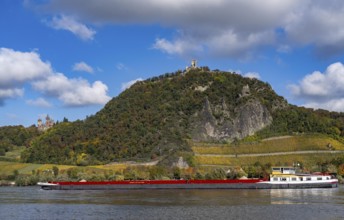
pixel 157 118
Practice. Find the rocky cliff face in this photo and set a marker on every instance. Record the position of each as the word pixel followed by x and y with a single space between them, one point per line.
pixel 217 123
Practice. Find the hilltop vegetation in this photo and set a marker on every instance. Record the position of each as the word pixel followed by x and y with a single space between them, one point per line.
pixel 151 119
pixel 12 137
pixel 157 117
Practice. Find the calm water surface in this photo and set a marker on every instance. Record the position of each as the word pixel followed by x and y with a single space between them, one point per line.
pixel 33 203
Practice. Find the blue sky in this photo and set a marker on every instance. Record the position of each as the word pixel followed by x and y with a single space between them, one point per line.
pixel 68 58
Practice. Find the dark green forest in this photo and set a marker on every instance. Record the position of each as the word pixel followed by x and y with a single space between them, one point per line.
pixel 154 118
pixel 11 136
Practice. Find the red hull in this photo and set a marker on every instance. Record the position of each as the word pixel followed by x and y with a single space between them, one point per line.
pixel 179 184
pixel 161 182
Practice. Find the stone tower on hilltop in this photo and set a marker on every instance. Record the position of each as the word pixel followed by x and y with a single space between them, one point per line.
pixel 193 65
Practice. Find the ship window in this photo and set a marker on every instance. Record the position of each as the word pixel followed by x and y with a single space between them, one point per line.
pixel 275 179
pixel 308 178
pixel 319 178
pixel 301 179
pixel 328 178
pixel 293 179
pixel 283 179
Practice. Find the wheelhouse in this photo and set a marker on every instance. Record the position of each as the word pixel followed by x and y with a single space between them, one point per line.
pixel 283 170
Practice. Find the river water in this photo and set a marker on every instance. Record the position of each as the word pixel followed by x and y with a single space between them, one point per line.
pixel 34 203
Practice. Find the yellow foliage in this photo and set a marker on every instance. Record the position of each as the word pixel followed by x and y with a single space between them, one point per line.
pixel 341 170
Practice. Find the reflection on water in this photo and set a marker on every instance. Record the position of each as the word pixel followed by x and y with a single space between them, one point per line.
pixel 304 196
pixel 33 203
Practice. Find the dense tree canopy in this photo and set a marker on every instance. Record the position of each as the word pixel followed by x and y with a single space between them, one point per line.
pixel 11 136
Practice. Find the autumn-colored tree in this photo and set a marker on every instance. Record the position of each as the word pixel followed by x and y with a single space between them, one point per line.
pixel 341 170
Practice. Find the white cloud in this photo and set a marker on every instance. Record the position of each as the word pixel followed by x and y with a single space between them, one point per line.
pixel 322 90
pixel 40 102
pixel 130 83
pixel 252 75
pixel 237 45
pixel 318 23
pixel 181 13
pixel 180 46
pixel 73 92
pixel 84 67
pixel 332 105
pixel 247 74
pixel 235 28
pixel 18 67
pixel 68 23
pixel 10 93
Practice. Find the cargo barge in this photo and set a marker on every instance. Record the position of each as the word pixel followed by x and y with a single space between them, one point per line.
pixel 281 178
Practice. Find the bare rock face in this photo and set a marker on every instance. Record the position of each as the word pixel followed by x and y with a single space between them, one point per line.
pixel 217 123
pixel 252 117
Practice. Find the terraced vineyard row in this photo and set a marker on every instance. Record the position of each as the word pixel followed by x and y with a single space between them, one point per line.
pixel 308 150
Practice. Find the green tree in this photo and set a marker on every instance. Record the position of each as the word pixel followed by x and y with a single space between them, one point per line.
pixel 55 171
pixel 176 173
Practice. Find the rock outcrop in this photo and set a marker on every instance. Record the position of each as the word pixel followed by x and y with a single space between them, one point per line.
pixel 247 119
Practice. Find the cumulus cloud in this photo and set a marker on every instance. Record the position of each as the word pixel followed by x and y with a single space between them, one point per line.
pixel 18 69
pixel 84 67
pixel 179 46
pixel 130 83
pixel 40 102
pixel 322 90
pixel 10 93
pixel 68 23
pixel 308 24
pixel 235 28
pixel 252 75
pixel 73 92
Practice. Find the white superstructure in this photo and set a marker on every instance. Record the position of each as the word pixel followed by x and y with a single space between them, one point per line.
pixel 288 175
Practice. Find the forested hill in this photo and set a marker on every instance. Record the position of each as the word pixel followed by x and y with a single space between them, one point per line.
pixel 159 116
pixel 12 136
